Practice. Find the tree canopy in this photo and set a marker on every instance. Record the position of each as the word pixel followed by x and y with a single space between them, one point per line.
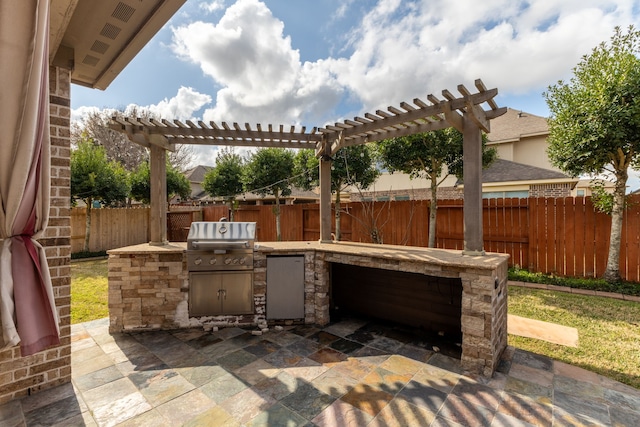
pixel 94 177
pixel 95 126
pixel 225 178
pixel 269 171
pixel 432 155
pixel 594 125
pixel 352 166
pixel 177 183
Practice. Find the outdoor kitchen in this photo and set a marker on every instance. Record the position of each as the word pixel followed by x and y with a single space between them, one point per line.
pixel 223 277
pixel 178 286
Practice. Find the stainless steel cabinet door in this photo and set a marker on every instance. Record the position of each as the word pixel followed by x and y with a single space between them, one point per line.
pixel 285 287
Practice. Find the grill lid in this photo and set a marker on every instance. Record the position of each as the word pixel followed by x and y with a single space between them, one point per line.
pixel 204 235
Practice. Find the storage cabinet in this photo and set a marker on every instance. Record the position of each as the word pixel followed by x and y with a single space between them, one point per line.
pixel 285 287
pixel 220 293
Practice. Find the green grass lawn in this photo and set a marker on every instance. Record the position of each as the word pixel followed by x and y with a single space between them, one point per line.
pixel 89 290
pixel 608 329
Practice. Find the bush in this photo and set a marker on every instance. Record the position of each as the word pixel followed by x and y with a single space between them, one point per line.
pixel 83 254
pixel 626 288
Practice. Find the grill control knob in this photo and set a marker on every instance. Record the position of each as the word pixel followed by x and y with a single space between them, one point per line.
pixel 243 260
pixel 227 261
pixel 197 261
pixel 212 261
pixel 235 261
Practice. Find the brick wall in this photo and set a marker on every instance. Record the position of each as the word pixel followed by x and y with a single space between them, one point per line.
pixel 19 375
pixel 444 193
pixel 453 193
pixel 550 190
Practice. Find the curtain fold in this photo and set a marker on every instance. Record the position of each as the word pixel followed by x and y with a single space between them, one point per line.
pixel 27 306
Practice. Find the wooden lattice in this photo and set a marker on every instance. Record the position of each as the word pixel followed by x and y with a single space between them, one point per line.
pixel 407 119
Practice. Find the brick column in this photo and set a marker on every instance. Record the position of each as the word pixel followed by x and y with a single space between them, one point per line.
pixel 19 375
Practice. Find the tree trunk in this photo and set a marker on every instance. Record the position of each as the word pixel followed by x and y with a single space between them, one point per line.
pixel 87 226
pixel 338 233
pixel 276 211
pixel 231 213
pixel 433 212
pixel 612 273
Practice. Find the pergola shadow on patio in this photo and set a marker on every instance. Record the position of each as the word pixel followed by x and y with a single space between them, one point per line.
pixel 463 112
pixel 348 373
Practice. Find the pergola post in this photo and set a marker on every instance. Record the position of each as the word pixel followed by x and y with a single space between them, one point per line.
pixel 461 112
pixel 325 198
pixel 158 214
pixel 472 172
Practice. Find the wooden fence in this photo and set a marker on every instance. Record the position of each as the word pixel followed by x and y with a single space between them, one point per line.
pixel 564 236
pixel 110 228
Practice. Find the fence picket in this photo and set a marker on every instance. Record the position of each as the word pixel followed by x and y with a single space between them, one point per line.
pixel 559 236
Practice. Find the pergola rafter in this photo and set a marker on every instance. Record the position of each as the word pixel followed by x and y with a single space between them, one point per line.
pixel 464 112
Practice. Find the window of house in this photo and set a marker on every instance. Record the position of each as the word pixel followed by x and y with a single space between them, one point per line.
pixel 505 194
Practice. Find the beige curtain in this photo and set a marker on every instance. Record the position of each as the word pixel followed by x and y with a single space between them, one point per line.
pixel 27 306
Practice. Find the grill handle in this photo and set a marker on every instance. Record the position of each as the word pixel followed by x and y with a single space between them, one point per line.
pixel 196 244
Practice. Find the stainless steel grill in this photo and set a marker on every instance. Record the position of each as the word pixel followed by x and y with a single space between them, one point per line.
pixel 220 266
pixel 220 246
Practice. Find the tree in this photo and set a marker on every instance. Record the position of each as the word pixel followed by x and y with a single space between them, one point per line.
pixel 93 177
pixel 432 155
pixel 118 147
pixel 352 166
pixel 594 125
pixel 225 179
pixel 177 183
pixel 268 171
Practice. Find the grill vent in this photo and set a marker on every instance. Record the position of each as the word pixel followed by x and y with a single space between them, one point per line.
pixel 110 31
pixel 90 60
pixel 99 46
pixel 123 12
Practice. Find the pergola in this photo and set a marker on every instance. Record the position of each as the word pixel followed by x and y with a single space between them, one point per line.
pixel 463 112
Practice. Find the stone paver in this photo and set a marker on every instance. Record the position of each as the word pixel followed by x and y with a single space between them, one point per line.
pixel 351 373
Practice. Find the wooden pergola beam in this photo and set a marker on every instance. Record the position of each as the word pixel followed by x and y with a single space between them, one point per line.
pixel 463 112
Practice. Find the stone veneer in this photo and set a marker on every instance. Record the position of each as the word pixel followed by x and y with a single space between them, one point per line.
pixel 19 375
pixel 148 289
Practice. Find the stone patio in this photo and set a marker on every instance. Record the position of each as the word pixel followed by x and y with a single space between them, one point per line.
pixel 354 372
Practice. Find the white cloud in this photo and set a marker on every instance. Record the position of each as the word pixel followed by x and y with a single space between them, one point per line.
pixel 81 113
pixel 403 50
pixel 183 106
pixel 262 76
pixel 399 50
pixel 212 6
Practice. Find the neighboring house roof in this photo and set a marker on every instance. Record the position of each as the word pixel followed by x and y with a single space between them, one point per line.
pixel 507 171
pixel 515 124
pixel 197 174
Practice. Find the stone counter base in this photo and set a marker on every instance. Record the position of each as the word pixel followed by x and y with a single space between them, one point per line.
pixel 149 289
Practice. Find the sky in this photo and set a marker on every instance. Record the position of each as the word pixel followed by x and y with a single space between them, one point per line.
pixel 315 62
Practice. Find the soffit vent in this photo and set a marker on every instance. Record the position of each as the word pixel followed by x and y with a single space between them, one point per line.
pixel 123 12
pixel 110 31
pixel 99 47
pixel 90 60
